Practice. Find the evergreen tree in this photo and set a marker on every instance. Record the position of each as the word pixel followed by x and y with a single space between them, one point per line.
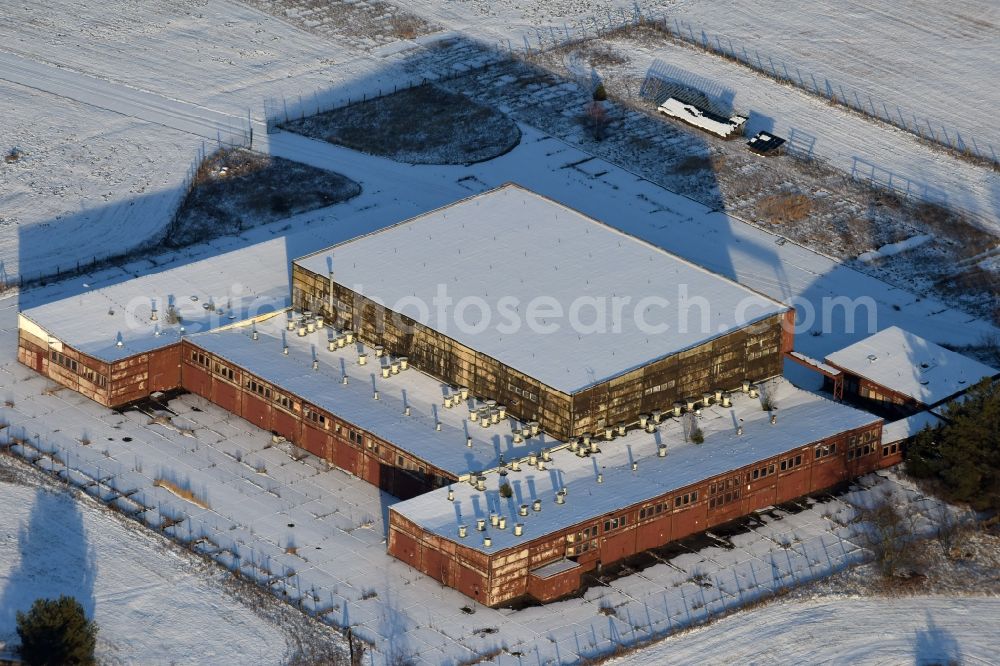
pixel 56 632
pixel 964 455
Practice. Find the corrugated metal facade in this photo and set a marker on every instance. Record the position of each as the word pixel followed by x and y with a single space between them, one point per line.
pixel 755 352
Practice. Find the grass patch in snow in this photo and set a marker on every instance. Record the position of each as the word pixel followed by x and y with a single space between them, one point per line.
pixel 780 208
pixel 181 492
pixel 420 125
pixel 236 189
pixel 363 24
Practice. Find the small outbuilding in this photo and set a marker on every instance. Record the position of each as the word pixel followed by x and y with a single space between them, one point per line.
pixel 904 373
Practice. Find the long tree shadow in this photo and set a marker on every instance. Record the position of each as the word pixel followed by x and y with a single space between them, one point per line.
pixel 55 558
pixel 936 645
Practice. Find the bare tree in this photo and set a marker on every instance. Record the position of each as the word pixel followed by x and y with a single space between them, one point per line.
pixel 888 532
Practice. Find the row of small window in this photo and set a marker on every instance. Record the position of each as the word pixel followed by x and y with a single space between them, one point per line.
pixel 63 360
pixel 659 508
pixel 860 451
pixel 761 472
pixel 654 510
pixel 754 355
pixel 720 487
pixel 872 394
pixel 71 364
pixel 866 437
pixel 524 393
pixel 658 388
pixel 264 391
pixel 403 462
pixel 201 358
pixel 357 438
pixel 314 416
pixel 685 499
pixel 790 463
pixel 723 499
pixel 225 372
pixel 891 449
pixel 615 523
pixel 826 451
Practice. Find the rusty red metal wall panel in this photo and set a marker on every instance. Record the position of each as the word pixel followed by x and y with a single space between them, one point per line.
pixel 554 587
pixel 654 533
pixel 226 395
pixel 165 368
pixel 285 424
pixel 314 440
pixel 256 410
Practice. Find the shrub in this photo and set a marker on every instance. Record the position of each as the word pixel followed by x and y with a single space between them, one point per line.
pixel 56 631
pixel 600 94
pixel 888 534
pixel 506 491
pixel 697 436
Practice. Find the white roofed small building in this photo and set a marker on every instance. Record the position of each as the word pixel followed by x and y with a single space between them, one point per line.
pixel 902 373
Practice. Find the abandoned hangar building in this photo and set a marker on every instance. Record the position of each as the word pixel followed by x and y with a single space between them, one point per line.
pixel 522 458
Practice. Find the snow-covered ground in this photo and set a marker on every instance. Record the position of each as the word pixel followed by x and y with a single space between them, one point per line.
pixel 154 603
pixel 111 103
pixel 892 630
pixel 933 59
pixel 868 151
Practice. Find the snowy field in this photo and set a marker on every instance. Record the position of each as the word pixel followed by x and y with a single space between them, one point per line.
pixel 155 603
pixel 934 59
pixel 112 111
pixel 919 630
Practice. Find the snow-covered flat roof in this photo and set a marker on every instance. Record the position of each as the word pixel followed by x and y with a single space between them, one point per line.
pixel 910 365
pixel 511 243
pixel 242 284
pixel 355 403
pixel 902 429
pixel 802 418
